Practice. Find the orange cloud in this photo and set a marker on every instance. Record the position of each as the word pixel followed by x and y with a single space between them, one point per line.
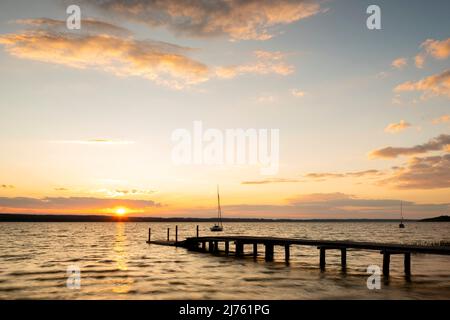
pixel 435 85
pixel 325 175
pixel 269 181
pixel 297 93
pixel 421 173
pixel 419 60
pixel 101 46
pixel 239 20
pixel 399 63
pixel 442 119
pixel 266 63
pixel 436 144
pixel 159 62
pixel 352 174
pixel 88 26
pixel 397 127
pixel 320 197
pixel 434 48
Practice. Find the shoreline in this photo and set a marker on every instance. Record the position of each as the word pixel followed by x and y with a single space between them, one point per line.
pixel 5 217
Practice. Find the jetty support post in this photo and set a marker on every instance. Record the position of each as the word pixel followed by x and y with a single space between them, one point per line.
pixel 344 258
pixel 407 263
pixel 149 234
pixel 287 252
pixel 211 246
pixel 168 234
pixel 386 262
pixel 197 231
pixel 227 247
pixel 269 251
pixel 239 249
pixel 255 250
pixel 176 234
pixel 203 245
pixel 322 258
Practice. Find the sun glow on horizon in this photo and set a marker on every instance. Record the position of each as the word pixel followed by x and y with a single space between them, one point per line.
pixel 121 211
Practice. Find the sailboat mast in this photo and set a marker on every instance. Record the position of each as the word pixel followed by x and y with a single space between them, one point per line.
pixel 401 209
pixel 218 207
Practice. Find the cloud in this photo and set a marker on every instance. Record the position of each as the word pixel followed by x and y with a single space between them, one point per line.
pixel 438 143
pixel 265 98
pixel 101 46
pixel 352 174
pixel 399 63
pixel 434 48
pixel 61 189
pixel 434 85
pixel 363 173
pixel 397 127
pixel 338 206
pixel 324 175
pixel 421 173
pixel 319 197
pixel 442 119
pixel 124 192
pixel 90 26
pixel 6 186
pixel 134 192
pixel 266 63
pixel 269 181
pixel 160 62
pixel 72 203
pixel 95 142
pixel 397 100
pixel 239 20
pixel 318 176
pixel 419 60
pixel 298 93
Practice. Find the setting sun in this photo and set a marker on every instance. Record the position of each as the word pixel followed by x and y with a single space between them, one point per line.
pixel 121 211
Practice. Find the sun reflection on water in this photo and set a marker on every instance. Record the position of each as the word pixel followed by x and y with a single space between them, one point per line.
pixel 121 258
pixel 120 253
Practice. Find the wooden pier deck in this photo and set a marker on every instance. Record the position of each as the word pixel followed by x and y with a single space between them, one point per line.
pixel 211 244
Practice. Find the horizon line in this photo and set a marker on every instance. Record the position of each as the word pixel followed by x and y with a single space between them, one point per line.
pixel 18 217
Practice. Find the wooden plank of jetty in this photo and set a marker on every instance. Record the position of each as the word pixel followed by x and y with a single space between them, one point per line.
pixel 328 244
pixel 168 243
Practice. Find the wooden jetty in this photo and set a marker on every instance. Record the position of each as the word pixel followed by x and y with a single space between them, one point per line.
pixel 211 244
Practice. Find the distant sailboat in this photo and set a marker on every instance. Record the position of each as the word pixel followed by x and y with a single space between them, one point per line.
pixel 401 225
pixel 218 226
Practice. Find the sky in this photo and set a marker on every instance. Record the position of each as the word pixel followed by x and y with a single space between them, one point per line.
pixel 88 116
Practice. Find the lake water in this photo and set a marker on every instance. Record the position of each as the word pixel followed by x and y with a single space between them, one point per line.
pixel 116 263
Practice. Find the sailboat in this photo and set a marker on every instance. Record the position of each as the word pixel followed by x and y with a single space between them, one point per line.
pixel 401 225
pixel 218 226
